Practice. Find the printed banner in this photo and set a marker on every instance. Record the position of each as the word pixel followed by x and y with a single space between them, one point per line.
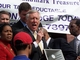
pixel 55 14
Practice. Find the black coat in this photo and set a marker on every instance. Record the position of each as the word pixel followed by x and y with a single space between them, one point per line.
pixel 60 43
pixel 17 26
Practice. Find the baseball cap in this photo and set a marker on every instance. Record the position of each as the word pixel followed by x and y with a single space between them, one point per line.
pixel 24 37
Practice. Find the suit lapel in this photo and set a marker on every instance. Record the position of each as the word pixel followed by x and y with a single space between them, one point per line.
pixel 73 44
pixel 19 24
pixel 50 43
pixel 28 31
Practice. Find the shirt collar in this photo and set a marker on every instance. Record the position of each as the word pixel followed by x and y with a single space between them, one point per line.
pixel 30 30
pixel 78 37
pixel 23 23
pixel 48 40
pixel 23 57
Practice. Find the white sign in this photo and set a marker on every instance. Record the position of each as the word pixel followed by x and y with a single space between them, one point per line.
pixel 55 14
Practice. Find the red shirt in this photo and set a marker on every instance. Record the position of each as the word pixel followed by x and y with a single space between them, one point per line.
pixel 6 52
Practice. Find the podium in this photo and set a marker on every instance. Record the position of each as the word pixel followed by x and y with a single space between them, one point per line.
pixel 53 54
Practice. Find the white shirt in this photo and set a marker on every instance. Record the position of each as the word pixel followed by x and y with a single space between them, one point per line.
pixel 78 37
pixel 77 43
pixel 48 41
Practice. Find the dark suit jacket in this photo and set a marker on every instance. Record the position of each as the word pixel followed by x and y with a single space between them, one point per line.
pixel 73 45
pixel 36 52
pixel 61 43
pixel 17 26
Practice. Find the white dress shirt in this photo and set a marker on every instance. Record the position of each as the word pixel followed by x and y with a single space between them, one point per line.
pixel 48 41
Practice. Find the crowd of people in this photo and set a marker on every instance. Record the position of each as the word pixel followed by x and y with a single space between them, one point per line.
pixel 26 39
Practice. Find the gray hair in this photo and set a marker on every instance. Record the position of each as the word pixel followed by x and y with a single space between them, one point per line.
pixel 30 12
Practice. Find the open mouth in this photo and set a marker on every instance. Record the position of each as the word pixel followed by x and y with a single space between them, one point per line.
pixel 34 24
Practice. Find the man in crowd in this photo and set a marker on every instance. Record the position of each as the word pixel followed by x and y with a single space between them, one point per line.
pixel 23 8
pixel 4 17
pixel 74 28
pixel 33 21
pixel 23 45
pixel 60 43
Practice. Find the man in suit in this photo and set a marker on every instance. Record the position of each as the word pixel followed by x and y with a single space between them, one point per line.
pixel 24 7
pixel 60 43
pixel 33 22
pixel 74 28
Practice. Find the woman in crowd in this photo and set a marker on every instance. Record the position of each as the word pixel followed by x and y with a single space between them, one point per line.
pixel 6 52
